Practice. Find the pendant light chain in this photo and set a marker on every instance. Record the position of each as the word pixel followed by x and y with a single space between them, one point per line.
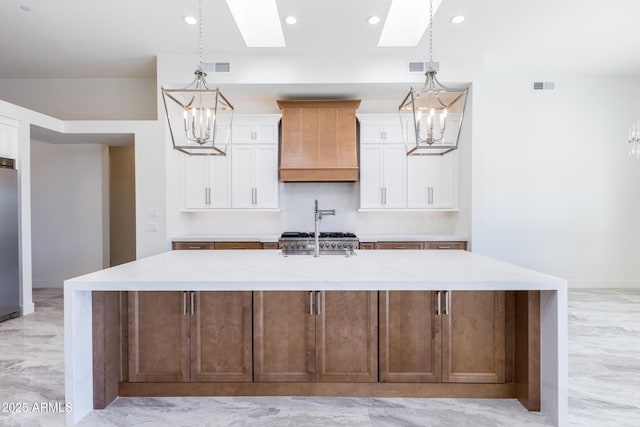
pixel 200 31
pixel 431 31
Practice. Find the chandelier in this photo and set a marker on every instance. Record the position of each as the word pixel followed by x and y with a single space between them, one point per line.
pixel 434 112
pixel 634 140
pixel 199 118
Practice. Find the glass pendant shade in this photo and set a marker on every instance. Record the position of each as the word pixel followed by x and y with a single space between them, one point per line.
pixel 432 117
pixel 199 118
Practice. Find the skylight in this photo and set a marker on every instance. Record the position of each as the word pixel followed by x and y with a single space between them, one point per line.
pixel 258 22
pixel 406 22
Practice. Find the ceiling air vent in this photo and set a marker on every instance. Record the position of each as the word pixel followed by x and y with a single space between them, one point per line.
pixel 216 67
pixel 539 86
pixel 417 67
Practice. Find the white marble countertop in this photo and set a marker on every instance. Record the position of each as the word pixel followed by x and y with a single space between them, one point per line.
pixel 269 270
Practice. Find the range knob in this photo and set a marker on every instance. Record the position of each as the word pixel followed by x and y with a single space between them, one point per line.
pixel 339 245
pixel 333 245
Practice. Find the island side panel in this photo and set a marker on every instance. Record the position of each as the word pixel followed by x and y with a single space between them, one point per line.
pixel 527 349
pixel 106 347
pixel 553 355
pixel 78 354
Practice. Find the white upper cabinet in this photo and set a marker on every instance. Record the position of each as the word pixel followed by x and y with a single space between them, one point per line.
pixel 254 176
pixel 382 176
pixel 207 184
pixel 381 129
pixel 246 178
pixel 432 181
pixel 389 179
pixel 255 128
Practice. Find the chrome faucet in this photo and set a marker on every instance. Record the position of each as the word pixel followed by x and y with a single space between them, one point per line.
pixel 318 216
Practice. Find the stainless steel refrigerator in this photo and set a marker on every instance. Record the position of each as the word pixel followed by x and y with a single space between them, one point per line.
pixel 9 264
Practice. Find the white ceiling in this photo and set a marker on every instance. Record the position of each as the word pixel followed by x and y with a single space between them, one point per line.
pixel 121 38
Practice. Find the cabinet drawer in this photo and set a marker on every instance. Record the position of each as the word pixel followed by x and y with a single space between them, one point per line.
pixel 462 246
pixel 238 245
pixel 367 245
pixel 270 245
pixel 192 245
pixel 399 245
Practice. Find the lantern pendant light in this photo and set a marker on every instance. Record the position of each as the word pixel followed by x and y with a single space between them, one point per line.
pixel 432 115
pixel 200 119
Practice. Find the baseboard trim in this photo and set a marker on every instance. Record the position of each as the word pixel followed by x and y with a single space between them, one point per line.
pixel 55 284
pixel 27 308
pixel 429 390
pixel 606 284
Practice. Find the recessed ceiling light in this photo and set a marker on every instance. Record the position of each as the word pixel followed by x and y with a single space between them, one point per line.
pixel 189 20
pixel 25 8
pixel 457 19
pixel 291 20
pixel 373 20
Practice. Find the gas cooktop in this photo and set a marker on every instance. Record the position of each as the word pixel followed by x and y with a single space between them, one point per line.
pixel 330 243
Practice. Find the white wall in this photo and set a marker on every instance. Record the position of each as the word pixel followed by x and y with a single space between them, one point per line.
pixel 73 99
pixel 553 186
pixel 67 211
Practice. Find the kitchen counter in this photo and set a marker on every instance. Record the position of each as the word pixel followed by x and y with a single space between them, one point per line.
pixel 265 238
pixel 268 270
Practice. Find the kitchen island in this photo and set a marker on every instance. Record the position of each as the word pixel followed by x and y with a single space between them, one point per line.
pixel 442 273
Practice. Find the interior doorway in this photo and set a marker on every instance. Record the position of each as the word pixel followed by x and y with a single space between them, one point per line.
pixel 122 205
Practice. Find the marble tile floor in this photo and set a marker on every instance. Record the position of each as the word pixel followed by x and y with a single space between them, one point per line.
pixel 604 382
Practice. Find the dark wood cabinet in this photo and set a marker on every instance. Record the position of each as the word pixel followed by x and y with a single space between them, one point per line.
pixel 192 246
pixel 189 336
pixel 473 336
pixel 237 245
pixel 428 336
pixel 399 245
pixel 158 338
pixel 410 337
pixel 457 245
pixel 328 336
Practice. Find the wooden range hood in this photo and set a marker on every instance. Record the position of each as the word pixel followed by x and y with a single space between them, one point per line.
pixel 319 140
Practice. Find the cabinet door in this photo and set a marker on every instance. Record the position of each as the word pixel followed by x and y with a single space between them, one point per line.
pixel 418 188
pixel 158 337
pixel 283 337
pixel 243 131
pixel 371 130
pixel 196 169
pixel 241 177
pixel 221 337
pixel 265 176
pixel 371 183
pixel 347 336
pixel 410 337
pixel 473 335
pixel 443 180
pixel 266 130
pixel 219 181
pixel 394 171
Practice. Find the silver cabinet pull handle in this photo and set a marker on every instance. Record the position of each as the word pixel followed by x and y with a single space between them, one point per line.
pixel 444 247
pixel 311 303
pixel 193 303
pixel 382 195
pixel 438 303
pixel 319 299
pixel 194 247
pixel 184 303
pixel 255 189
pixel 446 303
